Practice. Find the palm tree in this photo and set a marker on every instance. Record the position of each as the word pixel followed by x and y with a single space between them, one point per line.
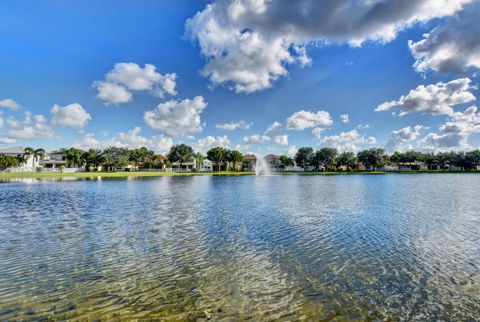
pixel 27 153
pixel 38 154
pixel 73 157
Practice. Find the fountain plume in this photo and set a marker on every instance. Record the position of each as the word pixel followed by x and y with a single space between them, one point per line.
pixel 262 167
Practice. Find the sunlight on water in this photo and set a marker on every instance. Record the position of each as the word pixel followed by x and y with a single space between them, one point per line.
pixel 283 248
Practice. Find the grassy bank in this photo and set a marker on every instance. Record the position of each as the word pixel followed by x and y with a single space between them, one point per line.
pixel 118 174
pixel 41 175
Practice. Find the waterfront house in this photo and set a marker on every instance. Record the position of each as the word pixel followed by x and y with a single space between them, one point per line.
pixel 273 161
pixel 19 152
pixel 206 166
pixel 184 167
pixel 54 160
pixel 249 162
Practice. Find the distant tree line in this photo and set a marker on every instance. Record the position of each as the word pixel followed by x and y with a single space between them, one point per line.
pixel 328 159
pixel 375 158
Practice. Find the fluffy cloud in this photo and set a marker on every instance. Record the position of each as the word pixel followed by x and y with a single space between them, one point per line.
pixel 274 127
pixel 10 104
pixel 399 140
pixel 130 139
pixel 176 118
pixel 256 139
pixel 5 140
pixel 291 150
pixel 455 132
pixel 318 132
pixel 348 141
pixel 436 99
pixel 1 120
pixel 72 115
pixel 203 145
pixel 281 139
pixel 113 93
pixel 32 127
pixel 126 78
pixel 234 125
pixel 248 44
pixel 305 119
pixel 345 118
pixel 452 47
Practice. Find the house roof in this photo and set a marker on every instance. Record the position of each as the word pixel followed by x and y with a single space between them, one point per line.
pixel 58 152
pixel 271 157
pixel 13 150
pixel 249 157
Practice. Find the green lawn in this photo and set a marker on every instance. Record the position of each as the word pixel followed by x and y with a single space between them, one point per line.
pixel 4 175
pixel 118 174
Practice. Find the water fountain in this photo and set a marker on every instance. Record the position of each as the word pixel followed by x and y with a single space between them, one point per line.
pixel 261 167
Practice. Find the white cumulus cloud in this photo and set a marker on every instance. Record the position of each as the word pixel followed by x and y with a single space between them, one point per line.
pixel 455 132
pixel 348 141
pixel 72 115
pixel 10 104
pixel 248 44
pixel 131 139
pixel 281 139
pixel 345 118
pixel 302 120
pixel 176 118
pixel 203 145
pixel 234 125
pixel 32 127
pixel 318 132
pixel 435 99
pixel 453 47
pixel 256 139
pixel 400 139
pixel 126 78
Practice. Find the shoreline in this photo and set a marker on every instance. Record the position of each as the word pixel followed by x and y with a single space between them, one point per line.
pixel 124 174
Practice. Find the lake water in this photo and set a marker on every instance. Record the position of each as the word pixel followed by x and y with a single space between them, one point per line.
pixel 245 248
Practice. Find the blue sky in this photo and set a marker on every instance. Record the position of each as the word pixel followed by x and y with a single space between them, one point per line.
pixel 261 65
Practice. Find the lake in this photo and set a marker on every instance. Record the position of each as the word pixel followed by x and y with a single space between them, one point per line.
pixel 287 247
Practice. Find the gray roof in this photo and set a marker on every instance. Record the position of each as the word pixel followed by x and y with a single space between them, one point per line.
pixel 13 150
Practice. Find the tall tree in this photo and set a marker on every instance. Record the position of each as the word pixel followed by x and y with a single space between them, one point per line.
pixel 38 154
pixel 325 157
pixel 216 155
pixel 115 158
pixel 27 154
pixel 199 159
pixel 286 161
pixel 92 159
pixel 181 153
pixel 472 159
pixel 73 157
pixel 347 159
pixel 235 156
pixel 372 157
pixel 304 156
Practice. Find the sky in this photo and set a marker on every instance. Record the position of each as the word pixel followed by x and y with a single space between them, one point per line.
pixel 261 76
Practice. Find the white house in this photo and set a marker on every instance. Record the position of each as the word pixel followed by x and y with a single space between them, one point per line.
pixel 17 151
pixel 54 160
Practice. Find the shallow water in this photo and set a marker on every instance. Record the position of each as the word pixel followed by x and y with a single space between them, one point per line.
pixel 246 248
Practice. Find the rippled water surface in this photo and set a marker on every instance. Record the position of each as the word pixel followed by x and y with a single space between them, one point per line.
pixel 242 248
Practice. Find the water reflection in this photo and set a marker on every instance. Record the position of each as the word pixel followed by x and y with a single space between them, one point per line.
pixel 254 248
